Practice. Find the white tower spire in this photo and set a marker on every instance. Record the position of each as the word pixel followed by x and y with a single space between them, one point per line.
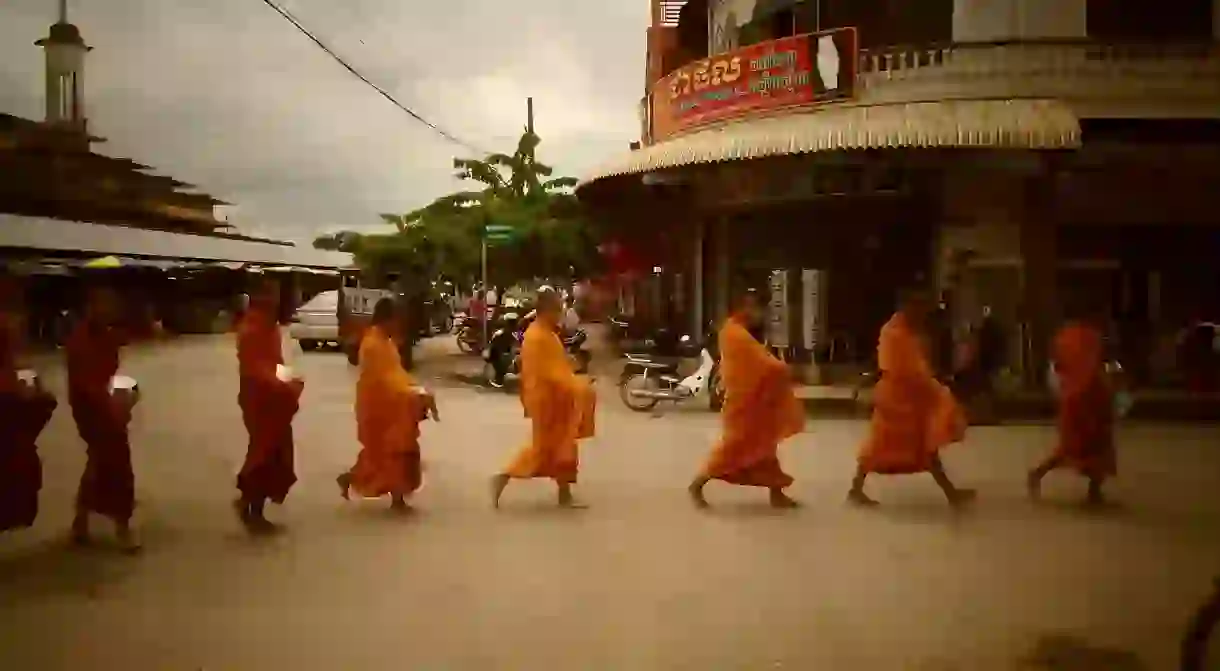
pixel 65 72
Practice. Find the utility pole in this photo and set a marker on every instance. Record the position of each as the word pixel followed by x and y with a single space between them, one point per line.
pixel 483 270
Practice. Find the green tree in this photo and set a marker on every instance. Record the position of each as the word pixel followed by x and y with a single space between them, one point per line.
pixel 551 236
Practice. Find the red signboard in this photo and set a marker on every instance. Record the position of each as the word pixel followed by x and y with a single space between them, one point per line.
pixel 799 70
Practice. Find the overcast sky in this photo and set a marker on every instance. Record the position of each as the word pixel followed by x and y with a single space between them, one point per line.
pixel 227 95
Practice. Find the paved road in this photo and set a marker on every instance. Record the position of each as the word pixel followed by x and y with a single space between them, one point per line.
pixel 639 581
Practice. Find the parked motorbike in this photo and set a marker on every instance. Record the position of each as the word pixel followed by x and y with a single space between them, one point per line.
pixel 648 379
pixel 574 344
pixel 469 334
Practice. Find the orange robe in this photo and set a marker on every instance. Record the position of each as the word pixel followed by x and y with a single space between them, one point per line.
pixel 268 406
pixel 1086 405
pixel 389 409
pixel 23 415
pixel 559 404
pixel 914 415
pixel 108 484
pixel 760 410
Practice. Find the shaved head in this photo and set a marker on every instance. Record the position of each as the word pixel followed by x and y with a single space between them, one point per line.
pixel 548 302
pixel 748 307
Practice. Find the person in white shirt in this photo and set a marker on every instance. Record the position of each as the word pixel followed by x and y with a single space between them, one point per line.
pixel 570 321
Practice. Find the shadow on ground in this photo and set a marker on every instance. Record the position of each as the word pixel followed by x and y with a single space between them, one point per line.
pixel 1058 652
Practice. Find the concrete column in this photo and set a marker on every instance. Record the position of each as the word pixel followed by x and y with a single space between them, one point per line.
pixel 720 268
pixel 1039 282
pixel 696 276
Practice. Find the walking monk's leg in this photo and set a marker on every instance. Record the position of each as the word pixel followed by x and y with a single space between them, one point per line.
pixel 856 494
pixel 1033 483
pixel 956 495
pixel 107 488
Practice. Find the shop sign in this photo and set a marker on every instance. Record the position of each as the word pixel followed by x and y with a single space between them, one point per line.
pixel 777 310
pixel 799 70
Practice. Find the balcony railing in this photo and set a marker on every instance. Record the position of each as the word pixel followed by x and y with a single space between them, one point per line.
pixel 1105 79
pixel 1095 79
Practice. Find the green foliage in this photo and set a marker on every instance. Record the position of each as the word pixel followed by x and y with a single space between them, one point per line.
pixel 551 237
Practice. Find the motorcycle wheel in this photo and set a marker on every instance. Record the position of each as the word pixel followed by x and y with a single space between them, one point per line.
pixel 462 344
pixel 641 382
pixel 1197 648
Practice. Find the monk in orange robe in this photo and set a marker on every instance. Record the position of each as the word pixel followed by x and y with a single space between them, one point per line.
pixel 559 404
pixel 25 410
pixel 389 410
pixel 760 411
pixel 107 487
pixel 1086 410
pixel 914 415
pixel 268 405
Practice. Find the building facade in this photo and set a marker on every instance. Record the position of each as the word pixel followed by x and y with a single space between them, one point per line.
pixel 1015 154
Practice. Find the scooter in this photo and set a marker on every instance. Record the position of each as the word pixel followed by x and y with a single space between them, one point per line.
pixel 646 380
pixel 574 345
pixel 503 355
pixel 469 335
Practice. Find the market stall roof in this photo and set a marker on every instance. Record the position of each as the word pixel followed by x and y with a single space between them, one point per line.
pixel 53 235
pixel 978 124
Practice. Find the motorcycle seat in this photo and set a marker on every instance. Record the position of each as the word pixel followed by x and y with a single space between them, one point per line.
pixel 650 363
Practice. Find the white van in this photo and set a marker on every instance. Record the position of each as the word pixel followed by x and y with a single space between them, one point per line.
pixel 316 323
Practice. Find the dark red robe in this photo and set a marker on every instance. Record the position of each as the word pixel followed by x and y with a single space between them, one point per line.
pixel 107 486
pixel 24 413
pixel 268 406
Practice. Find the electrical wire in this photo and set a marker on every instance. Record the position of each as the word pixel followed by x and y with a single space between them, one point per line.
pixel 385 94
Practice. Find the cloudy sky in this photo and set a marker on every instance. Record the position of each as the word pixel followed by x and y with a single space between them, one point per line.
pixel 227 95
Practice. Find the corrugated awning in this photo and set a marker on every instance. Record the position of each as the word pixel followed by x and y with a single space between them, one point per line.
pixel 1000 124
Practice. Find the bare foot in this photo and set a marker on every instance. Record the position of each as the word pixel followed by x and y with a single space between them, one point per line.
pixel 243 512
pixel 962 498
pixel 1033 485
pixel 782 500
pixel 1095 502
pixel 345 484
pixel 128 544
pixel 571 503
pixel 261 526
pixel 859 498
pixel 696 495
pixel 80 532
pixel 498 483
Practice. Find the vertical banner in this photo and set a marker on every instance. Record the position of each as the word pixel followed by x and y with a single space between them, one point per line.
pixel 777 310
pixel 813 307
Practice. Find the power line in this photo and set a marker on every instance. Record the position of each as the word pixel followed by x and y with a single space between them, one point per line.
pixel 413 114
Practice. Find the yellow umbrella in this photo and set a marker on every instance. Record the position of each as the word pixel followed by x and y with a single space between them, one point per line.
pixel 104 263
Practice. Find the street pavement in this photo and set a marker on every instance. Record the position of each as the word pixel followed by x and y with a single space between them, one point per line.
pixel 639 581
